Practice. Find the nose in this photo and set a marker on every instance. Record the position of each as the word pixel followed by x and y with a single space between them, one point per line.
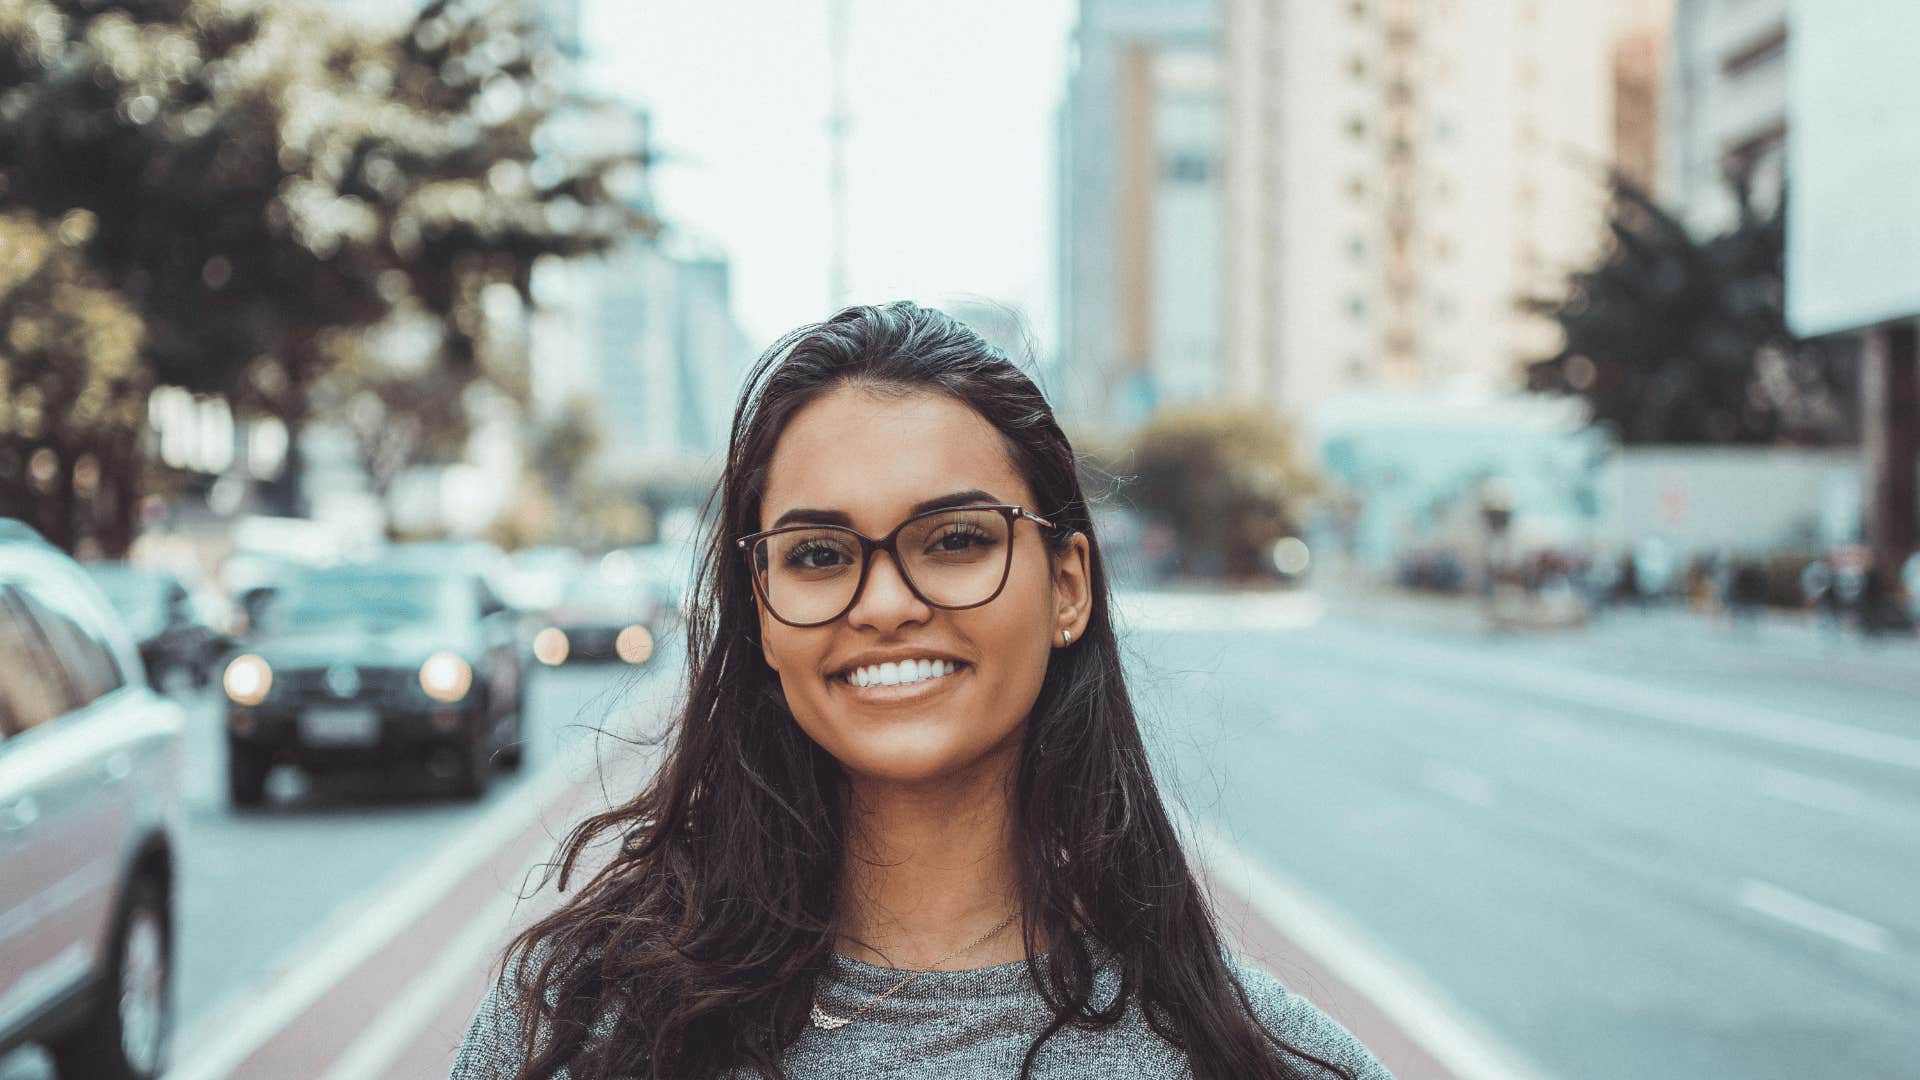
pixel 885 602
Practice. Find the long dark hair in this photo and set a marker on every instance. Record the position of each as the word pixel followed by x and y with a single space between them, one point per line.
pixel 695 948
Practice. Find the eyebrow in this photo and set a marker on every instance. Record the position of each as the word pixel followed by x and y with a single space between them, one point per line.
pixel 839 517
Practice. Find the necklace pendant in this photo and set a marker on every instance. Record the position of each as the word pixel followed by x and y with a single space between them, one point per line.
pixel 826 1021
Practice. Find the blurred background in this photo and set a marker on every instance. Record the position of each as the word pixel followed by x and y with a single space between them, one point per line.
pixel 1501 414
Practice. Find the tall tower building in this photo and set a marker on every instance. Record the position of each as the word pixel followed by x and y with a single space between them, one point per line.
pixel 1400 174
pixel 1726 107
pixel 1640 45
pixel 1141 252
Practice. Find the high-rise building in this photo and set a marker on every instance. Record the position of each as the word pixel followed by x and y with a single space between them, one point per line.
pixel 1400 175
pixel 647 334
pixel 1725 108
pixel 1640 43
pixel 1141 258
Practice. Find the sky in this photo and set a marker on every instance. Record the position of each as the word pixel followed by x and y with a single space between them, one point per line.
pixel 950 158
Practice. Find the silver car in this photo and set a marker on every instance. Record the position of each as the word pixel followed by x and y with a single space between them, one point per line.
pixel 88 824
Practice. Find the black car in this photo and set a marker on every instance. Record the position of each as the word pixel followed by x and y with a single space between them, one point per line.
pixel 159 611
pixel 376 664
pixel 599 617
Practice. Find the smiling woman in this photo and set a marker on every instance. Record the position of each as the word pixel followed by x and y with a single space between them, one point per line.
pixel 905 825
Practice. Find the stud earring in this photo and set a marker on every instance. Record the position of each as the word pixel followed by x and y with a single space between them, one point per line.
pixel 1066 636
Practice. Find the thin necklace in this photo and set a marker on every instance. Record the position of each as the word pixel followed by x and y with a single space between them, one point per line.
pixel 826 1021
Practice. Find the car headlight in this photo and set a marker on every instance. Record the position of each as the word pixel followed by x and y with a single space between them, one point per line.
pixel 247 679
pixel 445 677
pixel 634 645
pixel 550 646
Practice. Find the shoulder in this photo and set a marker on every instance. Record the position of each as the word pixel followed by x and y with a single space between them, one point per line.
pixel 1301 1024
pixel 495 1043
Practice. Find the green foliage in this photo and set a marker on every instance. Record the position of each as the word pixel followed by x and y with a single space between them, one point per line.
pixel 1230 482
pixel 1677 340
pixel 266 182
pixel 72 388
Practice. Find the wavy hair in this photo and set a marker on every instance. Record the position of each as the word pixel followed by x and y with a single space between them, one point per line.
pixel 695 948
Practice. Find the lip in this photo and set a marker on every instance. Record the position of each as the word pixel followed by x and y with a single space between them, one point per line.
pixel 900 695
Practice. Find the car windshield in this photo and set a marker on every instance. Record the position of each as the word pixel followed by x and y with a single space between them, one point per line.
pixel 369 595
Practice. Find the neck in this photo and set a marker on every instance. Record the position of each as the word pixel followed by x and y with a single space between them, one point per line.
pixel 928 871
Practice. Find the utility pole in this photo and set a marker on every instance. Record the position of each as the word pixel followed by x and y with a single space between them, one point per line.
pixel 837 152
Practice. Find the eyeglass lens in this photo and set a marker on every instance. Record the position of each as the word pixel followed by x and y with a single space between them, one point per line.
pixel 955 558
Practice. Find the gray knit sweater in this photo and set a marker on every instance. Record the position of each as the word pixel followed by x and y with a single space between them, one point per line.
pixel 967 1025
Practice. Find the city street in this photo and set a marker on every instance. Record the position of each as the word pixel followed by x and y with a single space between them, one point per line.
pixel 1653 848
pixel 267 896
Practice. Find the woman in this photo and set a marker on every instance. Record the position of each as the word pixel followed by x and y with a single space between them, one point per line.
pixel 905 824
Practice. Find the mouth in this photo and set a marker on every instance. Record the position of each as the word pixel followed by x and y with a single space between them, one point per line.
pixel 920 689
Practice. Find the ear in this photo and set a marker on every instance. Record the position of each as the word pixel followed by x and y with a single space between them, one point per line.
pixel 1072 589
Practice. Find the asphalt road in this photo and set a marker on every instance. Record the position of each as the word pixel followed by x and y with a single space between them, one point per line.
pixel 1655 848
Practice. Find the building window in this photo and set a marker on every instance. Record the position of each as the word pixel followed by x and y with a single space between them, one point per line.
pixel 1768 48
pixel 1186 168
pixel 1357 127
pixel 1745 157
pixel 1357 67
pixel 1357 247
pixel 1356 188
pixel 1357 307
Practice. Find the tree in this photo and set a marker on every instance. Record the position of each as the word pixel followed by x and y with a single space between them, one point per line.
pixel 72 389
pixel 1229 482
pixel 1677 340
pixel 268 181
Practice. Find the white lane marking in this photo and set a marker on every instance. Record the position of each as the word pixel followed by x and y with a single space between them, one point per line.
pixel 228 1034
pixel 1814 917
pixel 1464 1047
pixel 1457 782
pixel 1677 707
pixel 400 1020
pixel 1817 792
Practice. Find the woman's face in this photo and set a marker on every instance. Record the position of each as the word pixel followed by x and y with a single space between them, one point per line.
pixel 872 458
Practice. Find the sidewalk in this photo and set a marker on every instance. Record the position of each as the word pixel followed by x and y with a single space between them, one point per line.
pixel 1772 628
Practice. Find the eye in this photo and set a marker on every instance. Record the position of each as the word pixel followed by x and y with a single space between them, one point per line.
pixel 814 555
pixel 962 538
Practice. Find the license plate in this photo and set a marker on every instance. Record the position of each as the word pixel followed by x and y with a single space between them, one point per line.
pixel 340 726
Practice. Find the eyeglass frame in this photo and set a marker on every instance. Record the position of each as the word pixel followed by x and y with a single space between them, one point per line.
pixel 868 545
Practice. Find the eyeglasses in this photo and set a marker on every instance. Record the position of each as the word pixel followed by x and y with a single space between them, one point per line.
pixel 957 558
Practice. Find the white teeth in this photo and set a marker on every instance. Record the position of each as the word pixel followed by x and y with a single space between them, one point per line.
pixel 901 672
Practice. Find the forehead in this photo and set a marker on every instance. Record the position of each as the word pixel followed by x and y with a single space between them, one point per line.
pixel 874 456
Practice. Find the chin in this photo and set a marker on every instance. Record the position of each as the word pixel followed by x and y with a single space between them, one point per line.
pixel 905 756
